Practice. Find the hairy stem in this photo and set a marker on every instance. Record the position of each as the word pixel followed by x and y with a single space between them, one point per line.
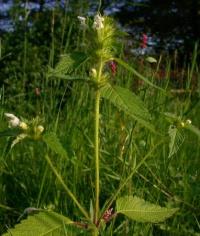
pixel 97 189
pixel 97 106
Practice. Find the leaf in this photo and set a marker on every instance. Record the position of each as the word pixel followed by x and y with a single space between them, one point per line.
pixel 140 210
pixel 54 144
pixel 131 69
pixel 128 102
pixel 176 139
pixel 193 129
pixel 68 63
pixel 73 78
pixel 5 207
pixel 45 223
pixel 170 117
pixel 10 132
pixel 151 60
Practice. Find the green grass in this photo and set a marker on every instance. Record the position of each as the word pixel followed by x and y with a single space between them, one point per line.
pixel 67 109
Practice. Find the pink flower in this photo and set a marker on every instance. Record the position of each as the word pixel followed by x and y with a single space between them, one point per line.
pixel 113 67
pixel 144 41
pixel 108 215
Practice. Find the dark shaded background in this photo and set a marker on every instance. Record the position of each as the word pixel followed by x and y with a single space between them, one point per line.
pixel 171 25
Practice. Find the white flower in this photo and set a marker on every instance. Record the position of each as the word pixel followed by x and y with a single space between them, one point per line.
pixel 188 122
pixel 12 119
pixel 98 22
pixel 82 20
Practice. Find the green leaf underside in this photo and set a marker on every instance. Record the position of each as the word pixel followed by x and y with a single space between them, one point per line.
pixel 45 223
pixel 128 102
pixel 140 210
pixel 176 139
pixel 54 144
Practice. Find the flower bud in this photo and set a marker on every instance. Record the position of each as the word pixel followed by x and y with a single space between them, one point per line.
pixel 182 124
pixel 23 125
pixel 40 129
pixel 93 73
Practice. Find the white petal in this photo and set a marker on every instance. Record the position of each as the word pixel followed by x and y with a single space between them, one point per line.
pixel 12 119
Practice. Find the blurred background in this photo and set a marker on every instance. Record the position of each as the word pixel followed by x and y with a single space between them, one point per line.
pixel 170 25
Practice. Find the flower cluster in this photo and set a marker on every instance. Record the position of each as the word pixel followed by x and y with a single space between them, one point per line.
pixel 108 215
pixel 187 122
pixel 97 24
pixel 33 130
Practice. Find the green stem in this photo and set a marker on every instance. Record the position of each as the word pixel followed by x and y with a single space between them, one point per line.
pixel 66 188
pixel 97 164
pixel 95 232
pixel 97 189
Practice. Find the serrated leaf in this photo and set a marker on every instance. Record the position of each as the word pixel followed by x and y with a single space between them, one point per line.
pixel 176 139
pixel 68 63
pixel 140 210
pixel 45 223
pixel 128 102
pixel 54 144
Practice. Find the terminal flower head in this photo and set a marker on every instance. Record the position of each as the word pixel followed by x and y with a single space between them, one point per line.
pixel 98 22
pixel 13 120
